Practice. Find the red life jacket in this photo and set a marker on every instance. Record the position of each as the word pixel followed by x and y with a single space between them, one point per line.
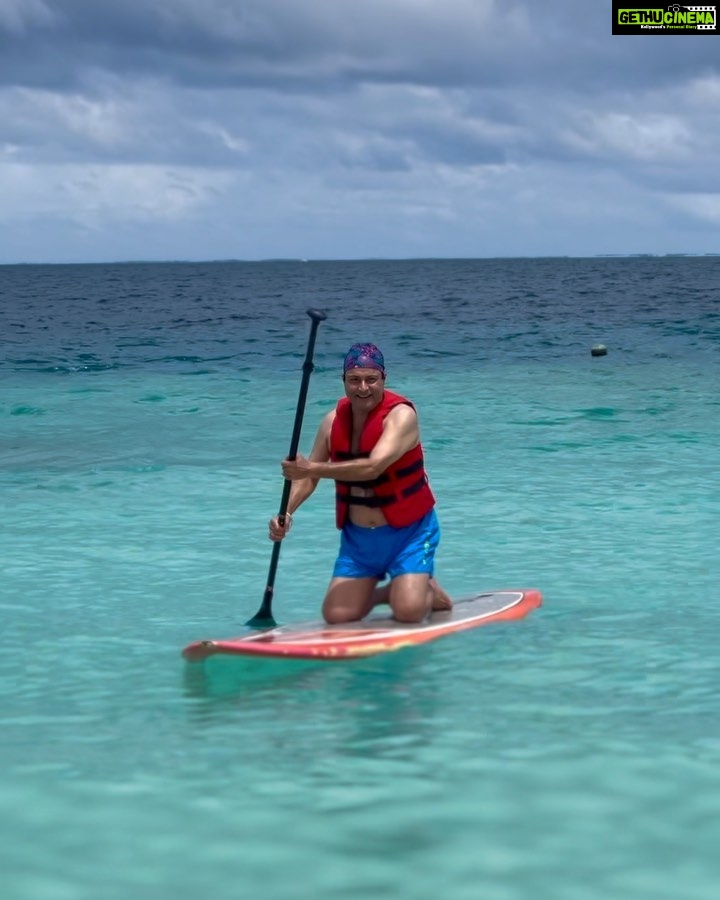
pixel 402 491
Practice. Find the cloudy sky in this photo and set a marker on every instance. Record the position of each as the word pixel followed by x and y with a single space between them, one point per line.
pixel 251 129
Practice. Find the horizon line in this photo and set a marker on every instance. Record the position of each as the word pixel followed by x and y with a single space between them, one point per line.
pixel 358 259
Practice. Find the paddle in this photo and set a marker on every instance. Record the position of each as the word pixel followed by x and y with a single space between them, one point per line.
pixel 263 617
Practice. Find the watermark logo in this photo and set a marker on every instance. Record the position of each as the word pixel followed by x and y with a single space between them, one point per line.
pixel 669 19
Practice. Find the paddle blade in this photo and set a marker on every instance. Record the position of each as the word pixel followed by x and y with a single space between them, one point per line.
pixel 261 620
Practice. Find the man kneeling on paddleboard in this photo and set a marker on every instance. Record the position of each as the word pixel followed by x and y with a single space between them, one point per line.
pixel 370 446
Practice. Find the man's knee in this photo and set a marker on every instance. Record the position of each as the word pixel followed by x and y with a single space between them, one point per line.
pixel 407 611
pixel 348 601
pixel 410 598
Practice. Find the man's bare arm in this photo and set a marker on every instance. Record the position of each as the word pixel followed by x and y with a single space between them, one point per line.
pixel 400 434
pixel 304 486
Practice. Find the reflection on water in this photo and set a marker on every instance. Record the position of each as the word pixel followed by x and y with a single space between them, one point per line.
pixel 381 705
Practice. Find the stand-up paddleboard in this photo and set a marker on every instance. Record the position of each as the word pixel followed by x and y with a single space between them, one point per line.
pixel 370 636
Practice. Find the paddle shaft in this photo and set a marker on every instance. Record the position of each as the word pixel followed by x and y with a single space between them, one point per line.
pixel 263 617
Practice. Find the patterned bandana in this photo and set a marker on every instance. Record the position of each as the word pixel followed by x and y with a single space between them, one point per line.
pixel 364 356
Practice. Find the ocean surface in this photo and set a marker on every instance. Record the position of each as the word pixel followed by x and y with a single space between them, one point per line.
pixel 574 755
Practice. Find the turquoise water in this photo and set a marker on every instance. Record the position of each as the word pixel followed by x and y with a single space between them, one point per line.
pixel 571 755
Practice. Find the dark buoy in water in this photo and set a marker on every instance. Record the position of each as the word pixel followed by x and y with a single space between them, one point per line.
pixel 599 350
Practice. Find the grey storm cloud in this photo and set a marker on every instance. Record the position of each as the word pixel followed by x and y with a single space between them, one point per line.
pixel 269 50
pixel 423 114
pixel 330 43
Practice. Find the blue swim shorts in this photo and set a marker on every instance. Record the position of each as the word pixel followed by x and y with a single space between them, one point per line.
pixel 386 551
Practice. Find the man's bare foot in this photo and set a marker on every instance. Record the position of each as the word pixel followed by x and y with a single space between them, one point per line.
pixel 440 600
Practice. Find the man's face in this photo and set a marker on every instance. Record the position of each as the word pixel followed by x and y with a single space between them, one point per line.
pixel 364 387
